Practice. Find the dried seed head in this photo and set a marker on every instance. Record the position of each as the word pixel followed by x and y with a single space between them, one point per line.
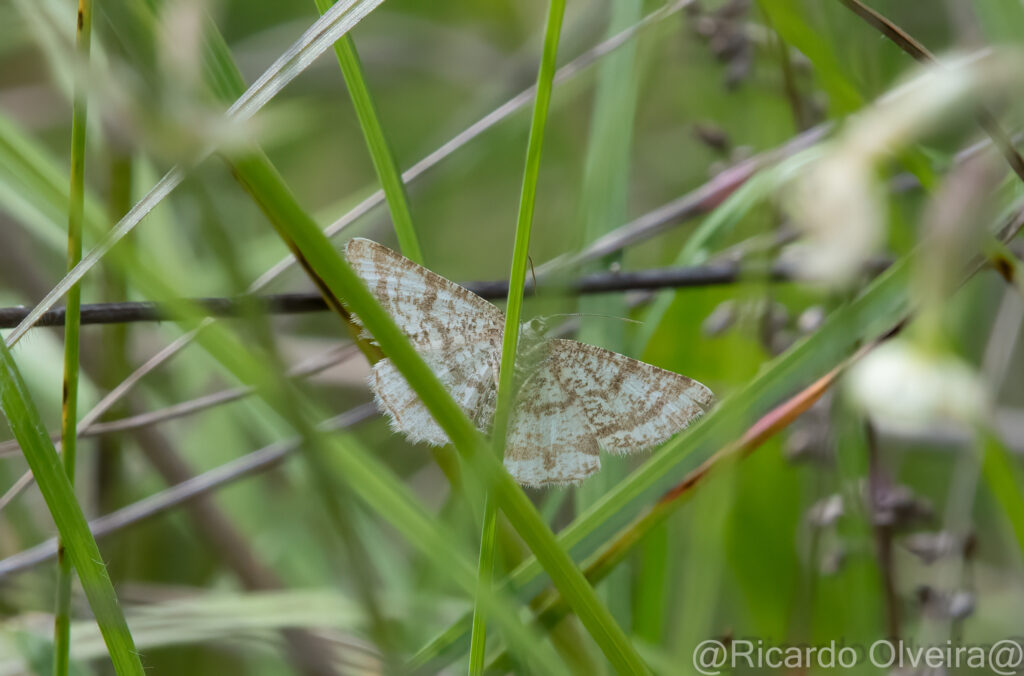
pixel 897 506
pixel 720 320
pixel 943 605
pixel 930 547
pixel 827 511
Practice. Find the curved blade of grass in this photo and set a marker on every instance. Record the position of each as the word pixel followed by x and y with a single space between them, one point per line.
pixel 268 184
pixel 225 80
pixel 788 18
pixel 232 354
pixel 597 566
pixel 344 283
pixel 42 458
pixel 69 393
pixel 513 310
pixel 882 305
pixel 369 479
pixel 321 35
pixel 1003 479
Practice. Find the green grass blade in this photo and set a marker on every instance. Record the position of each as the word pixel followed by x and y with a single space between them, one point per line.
pixel 40 187
pixel 260 179
pixel 42 458
pixel 513 310
pixel 69 393
pixel 484 581
pixel 371 481
pixel 344 283
pixel 1003 479
pixel 380 150
pixel 524 220
pixel 878 309
pixel 788 18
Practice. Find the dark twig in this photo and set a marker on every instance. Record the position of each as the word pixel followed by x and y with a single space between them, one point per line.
pixel 691 205
pixel 296 303
pixel 878 485
pixel 797 105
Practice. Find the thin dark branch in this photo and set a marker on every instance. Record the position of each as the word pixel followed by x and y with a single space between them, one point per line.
pixel 886 27
pixel 130 312
pixel 690 205
pixel 713 274
pixel 271 455
pixel 878 485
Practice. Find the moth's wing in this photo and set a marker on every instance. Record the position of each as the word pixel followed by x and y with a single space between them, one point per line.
pixel 549 441
pixel 434 312
pixel 629 405
pixel 468 372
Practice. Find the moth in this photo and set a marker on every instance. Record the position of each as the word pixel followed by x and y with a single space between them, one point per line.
pixel 573 400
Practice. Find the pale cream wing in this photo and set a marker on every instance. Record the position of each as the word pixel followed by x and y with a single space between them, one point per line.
pixel 434 312
pixel 549 440
pixel 628 405
pixel 468 372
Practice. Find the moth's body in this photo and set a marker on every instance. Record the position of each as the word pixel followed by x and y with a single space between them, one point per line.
pixel 573 400
pixel 532 350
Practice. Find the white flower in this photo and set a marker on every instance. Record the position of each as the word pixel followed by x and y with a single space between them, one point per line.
pixel 907 388
pixel 838 206
pixel 837 202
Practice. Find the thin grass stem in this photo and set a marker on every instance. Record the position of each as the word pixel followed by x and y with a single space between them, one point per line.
pixel 69 391
pixel 26 424
pixel 513 310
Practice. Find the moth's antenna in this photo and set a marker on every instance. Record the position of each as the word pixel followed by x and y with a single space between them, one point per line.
pixel 533 273
pixel 591 314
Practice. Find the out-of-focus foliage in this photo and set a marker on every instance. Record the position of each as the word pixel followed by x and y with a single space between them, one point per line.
pixel 849 525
